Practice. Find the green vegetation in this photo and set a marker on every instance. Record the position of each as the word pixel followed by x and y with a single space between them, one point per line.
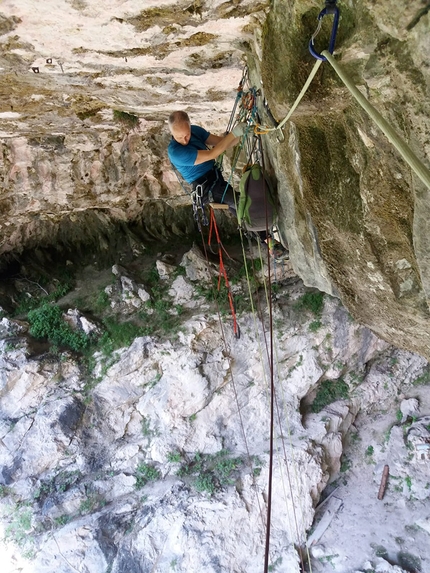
pixel 47 321
pixel 370 451
pixel 312 302
pixel 128 120
pixel 39 294
pixel 146 473
pixel 408 482
pixel 174 457
pixel 275 564
pixel 328 559
pixel 62 520
pixel 3 491
pixel 91 503
pixel 315 325
pixel 423 379
pixel 345 464
pixel 20 525
pixel 329 391
pixel 210 473
pixel 117 335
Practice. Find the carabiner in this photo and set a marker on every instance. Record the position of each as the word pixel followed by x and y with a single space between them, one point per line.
pixel 330 8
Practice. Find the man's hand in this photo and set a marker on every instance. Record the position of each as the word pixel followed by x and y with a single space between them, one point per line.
pixel 239 129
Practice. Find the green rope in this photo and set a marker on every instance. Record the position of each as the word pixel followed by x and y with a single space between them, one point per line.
pixel 402 147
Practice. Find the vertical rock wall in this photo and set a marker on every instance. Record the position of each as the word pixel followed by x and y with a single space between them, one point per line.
pixel 354 214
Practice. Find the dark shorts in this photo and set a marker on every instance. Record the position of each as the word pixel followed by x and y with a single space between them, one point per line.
pixel 222 192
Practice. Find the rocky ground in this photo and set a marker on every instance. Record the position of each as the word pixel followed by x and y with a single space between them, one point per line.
pixel 148 449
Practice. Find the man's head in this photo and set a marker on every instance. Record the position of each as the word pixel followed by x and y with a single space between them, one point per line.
pixel 180 127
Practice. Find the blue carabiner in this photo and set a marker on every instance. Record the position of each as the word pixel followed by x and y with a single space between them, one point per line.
pixel 330 8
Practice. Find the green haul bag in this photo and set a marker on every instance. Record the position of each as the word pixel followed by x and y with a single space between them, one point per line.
pixel 254 200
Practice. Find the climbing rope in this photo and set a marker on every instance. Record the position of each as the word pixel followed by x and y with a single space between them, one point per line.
pixel 327 55
pixel 222 271
pixel 400 144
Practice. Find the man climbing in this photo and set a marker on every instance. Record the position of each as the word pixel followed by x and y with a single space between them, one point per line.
pixel 193 150
pixel 190 154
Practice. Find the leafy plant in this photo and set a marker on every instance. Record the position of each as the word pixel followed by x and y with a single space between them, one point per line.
pixel 4 491
pixel 275 564
pixel 315 325
pixel 408 482
pixel 211 472
pixel 369 451
pixel 205 482
pixel 91 503
pixel 145 474
pixel 62 519
pixel 311 301
pixel 345 465
pixel 47 321
pixel 117 335
pixel 424 378
pixel 328 392
pixel 174 457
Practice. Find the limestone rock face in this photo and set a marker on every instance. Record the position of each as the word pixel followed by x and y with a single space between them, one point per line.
pixel 159 455
pixel 87 89
pixel 354 214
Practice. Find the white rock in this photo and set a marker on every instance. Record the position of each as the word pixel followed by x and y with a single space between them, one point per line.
pixel 183 293
pixel 317 551
pixel 164 269
pixel 143 295
pixel 196 266
pixel 409 407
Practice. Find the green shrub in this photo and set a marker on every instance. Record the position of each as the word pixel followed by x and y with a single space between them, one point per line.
pixel 205 482
pixel 174 457
pixel 311 301
pixel 329 391
pixel 19 527
pixel 118 335
pixel 210 472
pixel 47 321
pixel 145 474
pixel 315 325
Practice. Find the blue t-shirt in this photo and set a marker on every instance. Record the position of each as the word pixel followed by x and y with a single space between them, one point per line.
pixel 184 156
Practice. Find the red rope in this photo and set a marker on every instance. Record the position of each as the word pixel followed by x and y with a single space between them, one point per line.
pixel 222 272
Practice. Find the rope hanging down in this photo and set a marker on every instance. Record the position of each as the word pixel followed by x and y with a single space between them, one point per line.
pixel 223 272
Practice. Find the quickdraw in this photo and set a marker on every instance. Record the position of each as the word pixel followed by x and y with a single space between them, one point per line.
pixel 199 212
pixel 330 8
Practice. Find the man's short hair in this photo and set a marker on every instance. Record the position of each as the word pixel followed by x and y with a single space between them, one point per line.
pixel 178 117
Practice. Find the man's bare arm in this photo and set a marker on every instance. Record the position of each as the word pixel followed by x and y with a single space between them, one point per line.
pixel 220 145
